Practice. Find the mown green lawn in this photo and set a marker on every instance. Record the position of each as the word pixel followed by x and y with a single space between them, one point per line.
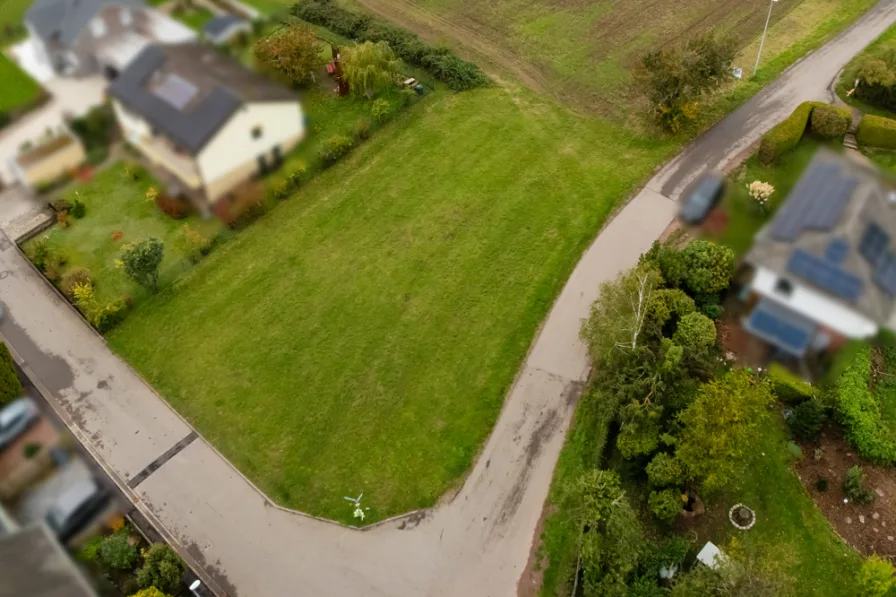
pixel 361 336
pixel 883 44
pixel 12 13
pixel 195 18
pixel 117 204
pixel 18 89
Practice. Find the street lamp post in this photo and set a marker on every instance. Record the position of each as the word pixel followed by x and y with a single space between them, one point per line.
pixel 764 31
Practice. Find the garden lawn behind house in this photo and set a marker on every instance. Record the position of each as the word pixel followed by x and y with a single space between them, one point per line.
pixel 116 203
pixel 883 44
pixel 744 216
pixel 18 89
pixel 884 158
pixel 195 18
pixel 361 336
pixel 12 13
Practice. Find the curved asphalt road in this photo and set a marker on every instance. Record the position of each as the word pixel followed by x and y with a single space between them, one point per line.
pixel 478 544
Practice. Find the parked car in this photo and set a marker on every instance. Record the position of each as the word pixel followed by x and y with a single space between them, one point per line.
pixel 15 419
pixel 702 197
pixel 75 508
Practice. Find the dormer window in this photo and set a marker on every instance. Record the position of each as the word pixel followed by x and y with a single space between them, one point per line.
pixel 874 243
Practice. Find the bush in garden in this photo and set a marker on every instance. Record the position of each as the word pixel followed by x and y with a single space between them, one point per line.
pixel 876 131
pixel 162 568
pixel 91 551
pixel 708 267
pixel 75 275
pixel 667 303
pixel 109 315
pixel 97 155
pixel 39 251
pixel 173 207
pixel 84 296
pixel 664 470
pixel 875 577
pixel 380 109
pixel 291 52
pixel 788 387
pixel 195 244
pixel 150 592
pixel 10 386
pixel 247 204
pixel 63 220
pixel 830 122
pixel 362 129
pixel 61 205
pixel 141 261
pixel 695 331
pixel 370 67
pixel 78 209
pixel 665 504
pixel 786 134
pixel 821 484
pixel 117 553
pixel 31 450
pixel 877 83
pixel 334 149
pixel 807 418
pixel 53 265
pixel 854 486
pixel 96 128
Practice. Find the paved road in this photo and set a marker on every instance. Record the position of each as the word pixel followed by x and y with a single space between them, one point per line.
pixel 478 544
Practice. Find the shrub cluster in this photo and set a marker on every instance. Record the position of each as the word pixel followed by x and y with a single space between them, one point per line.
pixel 786 134
pixel 854 486
pixel 10 386
pixel 876 131
pixel 807 418
pixel 173 207
pixel 830 122
pixel 96 129
pixel 334 149
pixel 444 65
pixel 877 82
pixel 788 387
pixel 162 568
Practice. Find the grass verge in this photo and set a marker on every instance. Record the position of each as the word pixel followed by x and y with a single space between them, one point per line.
pixel 18 89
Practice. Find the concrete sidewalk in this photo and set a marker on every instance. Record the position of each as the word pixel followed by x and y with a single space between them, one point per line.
pixel 478 544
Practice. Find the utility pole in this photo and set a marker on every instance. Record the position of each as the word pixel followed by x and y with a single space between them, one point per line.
pixel 764 31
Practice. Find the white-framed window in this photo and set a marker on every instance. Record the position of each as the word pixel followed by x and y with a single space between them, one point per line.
pixel 98 27
pixel 126 17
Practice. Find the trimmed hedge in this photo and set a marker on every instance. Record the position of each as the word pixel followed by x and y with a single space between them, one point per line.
pixel 830 122
pixel 786 134
pixel 444 65
pixel 789 388
pixel 10 386
pixel 876 131
pixel 859 412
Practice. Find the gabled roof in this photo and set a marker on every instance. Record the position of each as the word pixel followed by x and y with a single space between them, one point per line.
pixel 819 236
pixel 62 20
pixel 220 24
pixel 189 91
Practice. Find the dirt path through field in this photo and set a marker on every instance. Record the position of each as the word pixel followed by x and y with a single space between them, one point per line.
pixel 436 28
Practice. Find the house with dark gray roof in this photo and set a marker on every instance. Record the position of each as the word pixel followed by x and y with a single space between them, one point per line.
pixel 225 28
pixel 87 37
pixel 204 118
pixel 824 268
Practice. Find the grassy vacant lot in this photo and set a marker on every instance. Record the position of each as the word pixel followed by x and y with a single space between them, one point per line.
pixel 883 44
pixel 18 89
pixel 116 203
pixel 362 336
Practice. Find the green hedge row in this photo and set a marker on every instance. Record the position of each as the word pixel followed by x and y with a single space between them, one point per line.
pixel 788 387
pixel 877 131
pixel 859 412
pixel 786 134
pixel 444 65
pixel 830 122
pixel 10 386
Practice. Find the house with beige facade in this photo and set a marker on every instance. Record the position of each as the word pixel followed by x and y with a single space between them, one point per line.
pixel 90 37
pixel 204 118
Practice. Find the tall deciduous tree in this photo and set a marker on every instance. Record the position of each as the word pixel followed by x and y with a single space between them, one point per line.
pixel 675 78
pixel 721 426
pixel 141 262
pixel 293 53
pixel 370 67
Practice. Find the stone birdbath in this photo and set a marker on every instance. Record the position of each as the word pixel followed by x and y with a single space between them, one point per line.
pixel 742 517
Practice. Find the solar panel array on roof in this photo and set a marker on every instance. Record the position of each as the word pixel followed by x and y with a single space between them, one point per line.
pixel 786 330
pixel 825 275
pixel 874 243
pixel 836 251
pixel 815 203
pixel 176 90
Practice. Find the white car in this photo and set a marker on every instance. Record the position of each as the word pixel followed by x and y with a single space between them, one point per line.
pixel 15 419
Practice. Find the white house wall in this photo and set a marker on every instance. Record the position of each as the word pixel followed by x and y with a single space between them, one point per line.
pixel 233 149
pixel 814 305
pixel 132 126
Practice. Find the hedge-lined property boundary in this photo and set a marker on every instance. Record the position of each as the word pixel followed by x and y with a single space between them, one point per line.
pixel 445 65
pixel 859 412
pixel 877 131
pixel 787 134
